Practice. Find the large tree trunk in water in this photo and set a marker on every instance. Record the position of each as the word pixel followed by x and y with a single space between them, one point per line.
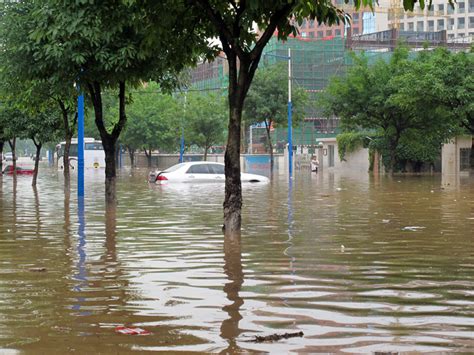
pixel 38 153
pixel 233 185
pixel 110 170
pixel 109 140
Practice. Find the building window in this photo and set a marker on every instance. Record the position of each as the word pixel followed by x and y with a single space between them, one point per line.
pixel 451 36
pixel 431 26
pixel 450 24
pixel 440 25
pixel 402 27
pixel 464 155
pixel 411 26
pixel 329 33
pixel 471 5
pixel 303 34
pixel 311 34
pixel 337 32
pixel 450 10
pixel 471 22
pixel 461 7
pixel 441 8
pixel 331 155
pixel 303 24
pixel 355 18
pixel 311 24
pixel 461 23
pixel 355 30
pixel 320 34
pixel 419 26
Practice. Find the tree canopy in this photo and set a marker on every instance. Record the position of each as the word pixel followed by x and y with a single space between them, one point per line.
pixel 205 119
pixel 412 103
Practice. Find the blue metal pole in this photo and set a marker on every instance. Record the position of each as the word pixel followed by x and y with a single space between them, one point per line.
pixel 181 148
pixel 290 141
pixel 80 145
pixel 290 120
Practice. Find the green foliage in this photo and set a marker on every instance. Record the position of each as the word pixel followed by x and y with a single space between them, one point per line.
pixel 152 121
pixel 414 105
pixel 267 99
pixel 349 142
pixel 206 115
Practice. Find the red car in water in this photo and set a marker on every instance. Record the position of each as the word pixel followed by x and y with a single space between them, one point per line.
pixel 8 170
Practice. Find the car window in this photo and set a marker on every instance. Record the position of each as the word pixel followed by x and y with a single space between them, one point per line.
pixel 199 169
pixel 173 168
pixel 216 168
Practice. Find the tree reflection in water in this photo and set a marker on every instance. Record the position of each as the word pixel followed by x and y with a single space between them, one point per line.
pixel 234 271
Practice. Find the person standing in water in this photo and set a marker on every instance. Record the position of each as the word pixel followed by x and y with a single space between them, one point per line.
pixel 314 164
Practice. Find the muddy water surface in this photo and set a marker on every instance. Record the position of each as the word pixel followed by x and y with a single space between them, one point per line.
pixel 359 265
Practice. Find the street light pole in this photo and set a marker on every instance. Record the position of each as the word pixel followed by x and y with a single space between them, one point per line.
pixel 80 144
pixel 290 120
pixel 290 113
pixel 181 149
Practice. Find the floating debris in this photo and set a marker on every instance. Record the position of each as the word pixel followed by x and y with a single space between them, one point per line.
pixel 385 221
pixel 37 269
pixel 276 337
pixel 413 228
pixel 342 248
pixel 131 331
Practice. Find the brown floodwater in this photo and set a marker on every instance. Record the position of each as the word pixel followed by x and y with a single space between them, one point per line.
pixel 358 264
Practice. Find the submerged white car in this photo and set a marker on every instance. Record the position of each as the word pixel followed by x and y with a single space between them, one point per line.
pixel 199 171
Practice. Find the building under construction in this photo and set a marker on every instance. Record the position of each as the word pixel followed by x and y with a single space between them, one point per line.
pixel 314 62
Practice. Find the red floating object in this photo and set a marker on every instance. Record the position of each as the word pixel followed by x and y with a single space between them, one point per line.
pixel 131 331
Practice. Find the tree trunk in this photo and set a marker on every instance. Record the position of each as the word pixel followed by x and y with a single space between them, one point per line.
pixel 1 156
pixel 393 152
pixel 109 140
pixel 131 153
pixel 206 149
pixel 12 144
pixel 148 156
pixel 68 133
pixel 270 145
pixel 472 154
pixel 233 185
pixel 38 154
pixel 110 170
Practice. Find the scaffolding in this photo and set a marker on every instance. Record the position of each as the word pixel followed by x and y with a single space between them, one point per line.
pixel 314 62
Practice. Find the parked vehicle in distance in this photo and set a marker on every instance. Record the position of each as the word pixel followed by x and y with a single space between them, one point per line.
pixel 8 170
pixel 9 156
pixel 94 155
pixel 197 172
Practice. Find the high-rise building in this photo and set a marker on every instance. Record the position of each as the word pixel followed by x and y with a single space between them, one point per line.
pixel 458 22
pixel 311 30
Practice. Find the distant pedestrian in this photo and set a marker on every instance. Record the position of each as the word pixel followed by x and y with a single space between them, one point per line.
pixel 314 164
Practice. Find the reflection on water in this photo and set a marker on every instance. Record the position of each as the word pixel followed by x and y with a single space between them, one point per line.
pixel 404 280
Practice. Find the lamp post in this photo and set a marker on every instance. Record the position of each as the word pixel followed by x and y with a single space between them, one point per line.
pixel 181 148
pixel 290 120
pixel 80 144
pixel 290 113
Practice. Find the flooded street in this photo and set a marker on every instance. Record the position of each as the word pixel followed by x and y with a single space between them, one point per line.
pixel 358 264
